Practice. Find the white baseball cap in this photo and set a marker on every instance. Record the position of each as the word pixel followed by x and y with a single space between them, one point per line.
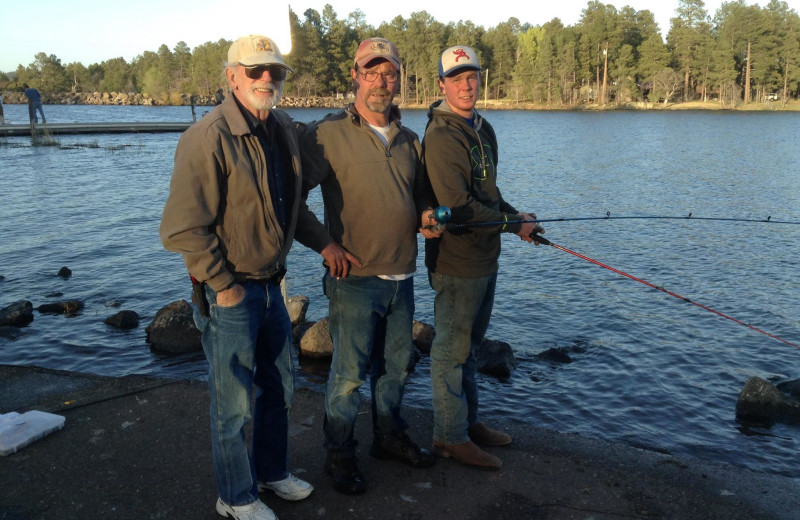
pixel 255 49
pixel 458 58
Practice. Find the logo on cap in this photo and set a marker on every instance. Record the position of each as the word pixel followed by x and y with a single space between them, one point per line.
pixel 451 60
pixel 379 46
pixel 264 45
pixel 373 48
pixel 461 53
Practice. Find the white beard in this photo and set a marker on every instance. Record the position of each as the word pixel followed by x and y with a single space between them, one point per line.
pixel 259 103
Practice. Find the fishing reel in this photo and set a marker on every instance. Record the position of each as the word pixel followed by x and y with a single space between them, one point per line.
pixel 442 214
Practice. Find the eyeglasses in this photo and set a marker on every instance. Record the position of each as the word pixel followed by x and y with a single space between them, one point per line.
pixel 371 76
pixel 276 72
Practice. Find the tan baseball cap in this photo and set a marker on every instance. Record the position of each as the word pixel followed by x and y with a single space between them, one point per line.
pixel 255 49
pixel 375 48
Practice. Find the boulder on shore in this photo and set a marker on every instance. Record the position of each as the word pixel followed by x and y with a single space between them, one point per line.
pixel 495 358
pixel 297 306
pixel 423 335
pixel 317 342
pixel 762 402
pixel 61 307
pixel 18 314
pixel 173 330
pixel 123 320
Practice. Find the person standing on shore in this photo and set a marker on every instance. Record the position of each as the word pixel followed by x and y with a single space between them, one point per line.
pixel 375 198
pixel 34 104
pixel 2 116
pixel 460 158
pixel 234 207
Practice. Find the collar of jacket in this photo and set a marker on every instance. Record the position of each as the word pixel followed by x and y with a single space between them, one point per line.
pixel 233 113
pixel 442 108
pixel 356 118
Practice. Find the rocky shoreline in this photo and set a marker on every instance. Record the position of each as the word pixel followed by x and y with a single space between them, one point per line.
pixel 132 98
pixel 172 332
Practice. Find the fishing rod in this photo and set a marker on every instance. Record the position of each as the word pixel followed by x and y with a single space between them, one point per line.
pixel 540 239
pixel 442 215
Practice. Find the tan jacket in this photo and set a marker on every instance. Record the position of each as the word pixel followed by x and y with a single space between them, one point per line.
pixel 219 214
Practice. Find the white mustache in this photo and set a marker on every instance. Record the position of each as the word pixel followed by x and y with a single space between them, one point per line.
pixel 266 86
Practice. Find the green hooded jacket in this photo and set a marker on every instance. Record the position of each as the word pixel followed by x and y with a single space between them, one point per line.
pixel 461 163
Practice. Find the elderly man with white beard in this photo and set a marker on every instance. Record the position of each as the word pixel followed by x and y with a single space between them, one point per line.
pixel 234 208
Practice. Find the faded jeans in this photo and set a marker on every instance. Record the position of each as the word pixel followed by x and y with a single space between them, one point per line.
pixel 370 322
pixel 35 108
pixel 462 309
pixel 249 343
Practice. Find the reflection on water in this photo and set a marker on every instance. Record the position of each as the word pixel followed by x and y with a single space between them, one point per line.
pixel 647 369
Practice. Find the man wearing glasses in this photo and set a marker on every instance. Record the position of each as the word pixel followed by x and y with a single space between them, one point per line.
pixel 368 167
pixel 234 207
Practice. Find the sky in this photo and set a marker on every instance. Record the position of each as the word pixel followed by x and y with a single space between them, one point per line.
pixel 93 31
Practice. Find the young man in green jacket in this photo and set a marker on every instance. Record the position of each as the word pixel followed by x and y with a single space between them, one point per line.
pixel 460 158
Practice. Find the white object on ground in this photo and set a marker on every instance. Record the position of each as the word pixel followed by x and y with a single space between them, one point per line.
pixel 17 431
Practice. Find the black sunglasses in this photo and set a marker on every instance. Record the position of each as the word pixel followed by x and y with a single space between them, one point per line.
pixel 276 72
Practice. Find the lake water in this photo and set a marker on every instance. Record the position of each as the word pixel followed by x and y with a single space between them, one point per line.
pixel 648 369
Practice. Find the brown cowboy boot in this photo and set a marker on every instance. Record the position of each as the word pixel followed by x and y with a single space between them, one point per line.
pixel 467 453
pixel 482 434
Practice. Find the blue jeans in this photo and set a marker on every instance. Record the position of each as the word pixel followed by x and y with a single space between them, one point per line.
pixel 248 343
pixel 370 322
pixel 462 309
pixel 32 111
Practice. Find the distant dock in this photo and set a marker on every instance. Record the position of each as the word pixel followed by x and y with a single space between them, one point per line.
pixel 95 128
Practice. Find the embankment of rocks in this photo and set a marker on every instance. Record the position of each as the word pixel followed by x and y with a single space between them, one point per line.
pixel 133 98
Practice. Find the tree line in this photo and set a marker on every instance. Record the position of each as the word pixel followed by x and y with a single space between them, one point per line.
pixel 741 54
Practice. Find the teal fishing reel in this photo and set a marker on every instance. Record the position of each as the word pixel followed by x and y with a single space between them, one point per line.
pixel 442 214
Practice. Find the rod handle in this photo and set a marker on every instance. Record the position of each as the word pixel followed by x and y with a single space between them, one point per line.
pixel 540 239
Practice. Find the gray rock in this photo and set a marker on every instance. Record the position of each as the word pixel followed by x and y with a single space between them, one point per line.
pixel 65 272
pixel 297 307
pixel 423 337
pixel 317 342
pixel 299 330
pixel 495 358
pixel 61 307
pixel 173 331
pixel 762 402
pixel 123 320
pixel 556 355
pixel 18 314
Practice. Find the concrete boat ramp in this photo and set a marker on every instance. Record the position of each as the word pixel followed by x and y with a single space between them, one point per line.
pixel 138 448
pixel 95 128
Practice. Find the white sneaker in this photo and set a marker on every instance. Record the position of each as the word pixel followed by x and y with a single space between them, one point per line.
pixel 290 488
pixel 254 511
